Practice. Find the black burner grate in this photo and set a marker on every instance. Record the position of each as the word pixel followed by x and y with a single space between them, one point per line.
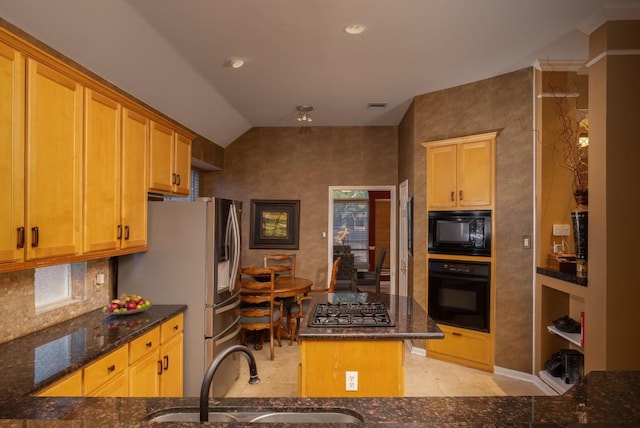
pixel 370 314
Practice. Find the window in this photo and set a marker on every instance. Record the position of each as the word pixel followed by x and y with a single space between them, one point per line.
pixel 59 285
pixel 351 222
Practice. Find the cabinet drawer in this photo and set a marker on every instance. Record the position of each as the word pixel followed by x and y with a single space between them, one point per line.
pixel 171 328
pixel 463 346
pixel 144 344
pixel 105 369
pixel 70 386
pixel 116 387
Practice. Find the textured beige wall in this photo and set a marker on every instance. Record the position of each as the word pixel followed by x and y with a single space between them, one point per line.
pixel 18 316
pixel 301 163
pixel 504 104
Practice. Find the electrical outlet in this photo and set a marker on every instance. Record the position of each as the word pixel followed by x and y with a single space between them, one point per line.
pixel 526 241
pixel 100 279
pixel 561 230
pixel 352 381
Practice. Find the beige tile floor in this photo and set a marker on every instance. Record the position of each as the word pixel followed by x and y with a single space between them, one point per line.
pixel 424 377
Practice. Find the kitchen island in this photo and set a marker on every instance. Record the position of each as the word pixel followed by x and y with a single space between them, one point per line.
pixel 351 347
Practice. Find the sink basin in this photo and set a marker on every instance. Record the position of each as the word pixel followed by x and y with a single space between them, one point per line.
pixel 249 415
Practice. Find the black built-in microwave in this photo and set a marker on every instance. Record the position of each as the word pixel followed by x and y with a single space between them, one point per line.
pixel 460 232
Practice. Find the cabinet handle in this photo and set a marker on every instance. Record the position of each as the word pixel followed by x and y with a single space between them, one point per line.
pixel 166 362
pixel 111 368
pixel 119 231
pixel 20 241
pixel 453 196
pixel 149 344
pixel 159 367
pixel 173 178
pixel 35 236
pixel 126 233
pixel 460 195
pixel 175 327
pixel 455 333
pixel 178 179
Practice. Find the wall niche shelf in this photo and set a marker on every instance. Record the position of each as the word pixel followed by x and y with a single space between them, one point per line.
pixel 571 337
pixel 555 383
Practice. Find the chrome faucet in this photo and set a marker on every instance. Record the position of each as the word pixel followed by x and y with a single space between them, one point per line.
pixel 208 376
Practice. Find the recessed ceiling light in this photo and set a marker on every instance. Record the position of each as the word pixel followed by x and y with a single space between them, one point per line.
pixel 354 29
pixel 236 62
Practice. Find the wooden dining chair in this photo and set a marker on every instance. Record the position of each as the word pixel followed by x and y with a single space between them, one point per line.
pixel 300 307
pixel 283 264
pixel 260 310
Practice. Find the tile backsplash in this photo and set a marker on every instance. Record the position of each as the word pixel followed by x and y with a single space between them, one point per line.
pixel 18 316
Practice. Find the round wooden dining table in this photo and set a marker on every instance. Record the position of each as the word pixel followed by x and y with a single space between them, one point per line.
pixel 284 286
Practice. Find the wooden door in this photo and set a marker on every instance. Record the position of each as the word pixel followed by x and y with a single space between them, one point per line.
pixel 382 232
pixel 441 177
pixel 135 140
pixel 182 171
pixel 475 174
pixel 161 159
pixel 101 173
pixel 12 219
pixel 53 163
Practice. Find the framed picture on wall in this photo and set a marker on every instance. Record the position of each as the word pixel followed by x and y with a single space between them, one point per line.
pixel 275 224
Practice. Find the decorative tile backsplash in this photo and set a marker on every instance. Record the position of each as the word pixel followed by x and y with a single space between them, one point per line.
pixel 18 316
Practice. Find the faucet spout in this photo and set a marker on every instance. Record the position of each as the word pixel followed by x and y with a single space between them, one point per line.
pixel 208 376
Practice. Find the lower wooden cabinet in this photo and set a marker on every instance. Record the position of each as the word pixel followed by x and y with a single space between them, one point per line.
pixel 149 366
pixel 70 386
pixel 462 346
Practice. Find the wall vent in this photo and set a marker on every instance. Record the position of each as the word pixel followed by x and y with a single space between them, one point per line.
pixel 376 106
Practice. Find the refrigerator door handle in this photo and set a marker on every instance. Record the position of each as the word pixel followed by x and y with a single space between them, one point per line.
pixel 235 252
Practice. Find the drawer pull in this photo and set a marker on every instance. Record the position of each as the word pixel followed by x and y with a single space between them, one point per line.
pixel 111 368
pixel 149 344
pixel 159 367
pixel 455 333
pixel 166 362
pixel 176 327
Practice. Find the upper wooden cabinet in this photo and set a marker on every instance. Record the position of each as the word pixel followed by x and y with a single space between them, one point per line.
pixel 53 163
pixel 170 161
pixel 460 172
pixel 135 145
pixel 12 221
pixel 101 172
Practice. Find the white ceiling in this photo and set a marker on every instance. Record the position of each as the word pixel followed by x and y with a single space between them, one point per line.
pixel 171 54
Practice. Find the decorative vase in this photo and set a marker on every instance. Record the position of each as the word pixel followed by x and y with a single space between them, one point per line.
pixel 580 220
pixel 582 197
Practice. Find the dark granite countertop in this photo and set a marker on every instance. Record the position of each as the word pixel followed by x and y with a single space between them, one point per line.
pixel 32 362
pixel 600 399
pixel 411 321
pixel 561 275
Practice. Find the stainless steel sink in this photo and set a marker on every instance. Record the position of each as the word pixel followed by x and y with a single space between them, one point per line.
pixel 247 415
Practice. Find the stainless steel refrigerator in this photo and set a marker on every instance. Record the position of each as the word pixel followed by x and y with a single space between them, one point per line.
pixel 193 259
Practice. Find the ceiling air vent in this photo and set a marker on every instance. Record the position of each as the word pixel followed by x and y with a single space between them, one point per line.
pixel 376 106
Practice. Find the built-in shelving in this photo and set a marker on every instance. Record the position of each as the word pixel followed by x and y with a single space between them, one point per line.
pixel 555 382
pixel 571 337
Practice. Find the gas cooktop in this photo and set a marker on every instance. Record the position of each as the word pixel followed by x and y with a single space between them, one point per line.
pixel 368 314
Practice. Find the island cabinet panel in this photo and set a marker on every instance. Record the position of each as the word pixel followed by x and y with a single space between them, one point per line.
pixel 463 346
pixel 53 163
pixel 324 364
pixel 12 93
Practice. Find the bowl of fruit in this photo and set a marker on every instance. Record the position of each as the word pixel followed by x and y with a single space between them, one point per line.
pixel 127 304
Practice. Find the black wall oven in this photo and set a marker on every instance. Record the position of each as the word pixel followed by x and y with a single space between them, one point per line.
pixel 459 293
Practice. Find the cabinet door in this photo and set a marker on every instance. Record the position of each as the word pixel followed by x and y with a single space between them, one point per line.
pixel 172 372
pixel 101 173
pixel 161 159
pixel 441 176
pixel 135 139
pixel 12 219
pixel 182 182
pixel 144 376
pixel 475 173
pixel 53 163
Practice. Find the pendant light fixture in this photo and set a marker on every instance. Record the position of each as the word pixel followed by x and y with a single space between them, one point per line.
pixel 304 113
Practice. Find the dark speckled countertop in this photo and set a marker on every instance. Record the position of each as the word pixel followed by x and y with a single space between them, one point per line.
pixel 411 321
pixel 603 399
